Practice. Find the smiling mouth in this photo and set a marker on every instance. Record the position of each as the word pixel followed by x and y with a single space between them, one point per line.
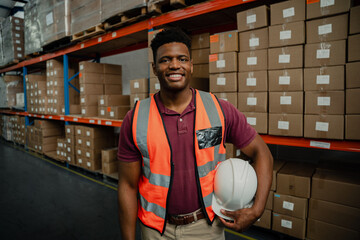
pixel 175 77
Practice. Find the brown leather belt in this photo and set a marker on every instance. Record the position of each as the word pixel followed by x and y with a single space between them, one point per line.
pixel 186 218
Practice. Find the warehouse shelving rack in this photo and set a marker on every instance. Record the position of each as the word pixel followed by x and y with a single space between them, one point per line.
pixel 202 17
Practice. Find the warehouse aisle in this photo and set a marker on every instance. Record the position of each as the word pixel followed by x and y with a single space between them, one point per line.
pixel 40 199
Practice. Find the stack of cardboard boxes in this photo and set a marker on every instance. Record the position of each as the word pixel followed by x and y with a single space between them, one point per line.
pixel 154 85
pixel 285 64
pixel 61 153
pixel 6 129
pixel 84 15
pixel 352 117
pixel 32 32
pixel 55 89
pixel 139 90
pixel 325 59
pixel 97 79
pixel 70 144
pixel 109 161
pixel 200 51
pixel 14 90
pixel 113 106
pixel 36 93
pixel 89 142
pixel 18 129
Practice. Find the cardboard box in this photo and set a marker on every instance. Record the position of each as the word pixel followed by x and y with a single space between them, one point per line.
pixel 155 84
pixel 324 78
pixel 102 112
pixel 253 18
pixel 253 102
pixel 224 42
pixel 199 71
pixel 287 11
pixel 324 126
pixel 342 187
pixel 325 54
pixel 109 168
pixel 231 151
pixel 223 62
pixel 253 81
pixel 89 100
pixel 97 132
pixel 89 111
pixel 254 40
pixel 283 124
pixel 265 220
pixel 79 130
pixel 354 20
pixel 43 124
pixel 286 80
pixel 354 48
pixel 270 201
pixel 325 231
pixel 91 67
pixel 89 77
pixel 117 112
pixel 327 29
pixel 352 130
pixel 200 41
pixel 111 89
pixel 200 56
pixel 286 102
pixel 200 83
pixel 231 97
pixel 109 155
pixel 330 102
pixel 294 179
pixel 92 165
pixel 291 226
pixel 137 97
pixel 340 215
pixel 223 82
pixel 290 205
pixel 80 141
pixel 114 79
pixel 69 130
pixel 352 75
pixel 316 9
pixel 285 57
pixel 259 121
pixel 91 89
pixel 253 60
pixel 114 100
pixel 287 34
pixel 352 100
pixel 277 165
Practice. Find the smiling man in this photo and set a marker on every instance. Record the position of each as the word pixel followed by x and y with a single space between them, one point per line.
pixel 169 147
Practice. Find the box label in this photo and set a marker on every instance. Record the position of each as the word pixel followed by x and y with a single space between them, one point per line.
pixel 251 101
pixel 136 85
pixel 251 121
pixel 80 160
pixel 221 81
pixel 81 67
pixel 288 12
pixel 112 114
pixel 251 61
pixel 214 38
pixel 283 125
pixel 285 100
pixel 88 133
pixel 220 64
pixel 251 19
pixel 254 42
pixel 87 154
pixel 284 80
pixel 284 58
pixel 82 100
pixel 49 19
pixel 322 126
pixel 320 144
pixel 323 79
pixel 251 82
pixel 285 35
pixel 157 86
pixel 102 112
pixel 322 53
pixel 83 111
pixel 323 101
pixel 88 143
pixel 286 224
pixel 288 205
pixel 213 57
pixel 79 141
pixel 326 3
pixel 102 102
pixel 88 164
pixel 325 29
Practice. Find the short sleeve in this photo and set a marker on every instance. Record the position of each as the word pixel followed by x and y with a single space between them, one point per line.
pixel 127 151
pixel 237 130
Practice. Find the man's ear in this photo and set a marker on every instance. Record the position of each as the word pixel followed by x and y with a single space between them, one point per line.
pixel 154 68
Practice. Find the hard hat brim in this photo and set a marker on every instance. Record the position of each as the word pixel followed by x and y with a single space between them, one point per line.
pixel 216 208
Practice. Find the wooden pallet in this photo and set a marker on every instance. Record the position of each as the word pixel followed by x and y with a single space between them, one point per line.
pixel 161 6
pixel 88 33
pixel 33 55
pixel 126 18
pixel 57 45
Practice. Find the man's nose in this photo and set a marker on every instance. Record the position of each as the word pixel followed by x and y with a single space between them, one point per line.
pixel 174 64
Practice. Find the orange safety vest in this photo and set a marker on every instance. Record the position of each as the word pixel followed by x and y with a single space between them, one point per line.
pixel 151 139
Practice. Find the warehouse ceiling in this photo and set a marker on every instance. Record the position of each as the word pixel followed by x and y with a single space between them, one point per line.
pixel 10 7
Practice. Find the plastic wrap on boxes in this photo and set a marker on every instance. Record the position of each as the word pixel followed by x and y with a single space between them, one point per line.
pixel 54 19
pixel 12 88
pixel 127 5
pixel 110 8
pixel 84 15
pixel 1 49
pixel 13 39
pixel 32 32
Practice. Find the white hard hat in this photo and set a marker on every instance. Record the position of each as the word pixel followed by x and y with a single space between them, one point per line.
pixel 235 185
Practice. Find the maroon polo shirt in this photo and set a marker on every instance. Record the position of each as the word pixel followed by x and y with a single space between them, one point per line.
pixel 183 196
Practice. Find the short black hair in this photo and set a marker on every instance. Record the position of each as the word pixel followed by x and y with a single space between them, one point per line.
pixel 169 35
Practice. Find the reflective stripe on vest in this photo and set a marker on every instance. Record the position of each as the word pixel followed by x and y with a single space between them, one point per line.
pixel 151 139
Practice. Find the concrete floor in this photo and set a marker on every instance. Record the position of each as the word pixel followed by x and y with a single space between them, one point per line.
pixel 42 199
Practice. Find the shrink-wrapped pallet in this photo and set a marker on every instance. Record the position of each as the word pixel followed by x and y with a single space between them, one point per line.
pixel 85 14
pixel 13 39
pixel 110 8
pixel 32 32
pixel 127 5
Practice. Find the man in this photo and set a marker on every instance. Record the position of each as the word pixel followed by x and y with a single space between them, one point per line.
pixel 170 145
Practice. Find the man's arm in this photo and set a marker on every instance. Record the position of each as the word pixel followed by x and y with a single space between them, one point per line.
pixel 263 165
pixel 129 174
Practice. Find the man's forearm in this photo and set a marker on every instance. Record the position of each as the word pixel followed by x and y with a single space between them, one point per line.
pixel 127 198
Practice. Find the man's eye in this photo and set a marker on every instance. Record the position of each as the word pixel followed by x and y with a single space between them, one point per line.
pixel 164 60
pixel 183 60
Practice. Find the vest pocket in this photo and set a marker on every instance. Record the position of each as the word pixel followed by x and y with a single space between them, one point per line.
pixel 209 137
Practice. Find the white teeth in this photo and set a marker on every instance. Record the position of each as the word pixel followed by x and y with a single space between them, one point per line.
pixel 175 75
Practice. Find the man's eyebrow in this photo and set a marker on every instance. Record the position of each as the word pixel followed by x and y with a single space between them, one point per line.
pixel 179 56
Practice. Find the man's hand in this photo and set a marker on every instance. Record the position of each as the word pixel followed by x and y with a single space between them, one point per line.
pixel 243 219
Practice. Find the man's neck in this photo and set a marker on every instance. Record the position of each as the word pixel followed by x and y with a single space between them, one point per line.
pixel 176 101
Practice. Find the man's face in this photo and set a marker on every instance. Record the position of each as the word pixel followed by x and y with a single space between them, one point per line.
pixel 173 66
